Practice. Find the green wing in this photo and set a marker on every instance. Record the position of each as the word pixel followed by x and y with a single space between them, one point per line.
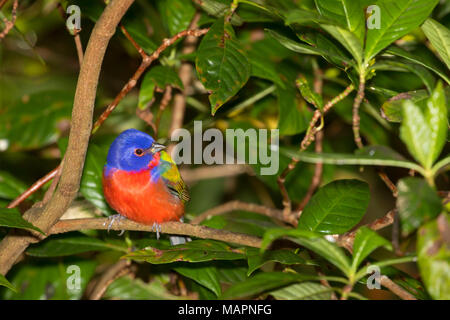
pixel 172 177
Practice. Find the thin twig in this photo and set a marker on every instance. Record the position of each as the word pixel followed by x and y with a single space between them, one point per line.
pixel 395 288
pixel 357 103
pixel 167 97
pixel 117 270
pixel 243 206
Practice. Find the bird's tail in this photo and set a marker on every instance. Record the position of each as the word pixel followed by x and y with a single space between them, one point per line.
pixel 176 240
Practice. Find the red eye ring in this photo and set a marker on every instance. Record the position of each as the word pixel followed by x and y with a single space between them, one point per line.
pixel 139 152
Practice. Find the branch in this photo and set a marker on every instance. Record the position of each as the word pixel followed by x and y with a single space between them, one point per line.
pixel 76 34
pixel 114 272
pixel 177 228
pixel 395 288
pixel 250 207
pixel 357 103
pixel 81 124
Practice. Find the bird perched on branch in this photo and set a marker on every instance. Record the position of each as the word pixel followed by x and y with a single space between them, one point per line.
pixel 142 183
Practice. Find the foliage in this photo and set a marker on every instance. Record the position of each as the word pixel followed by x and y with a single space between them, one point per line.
pixel 263 64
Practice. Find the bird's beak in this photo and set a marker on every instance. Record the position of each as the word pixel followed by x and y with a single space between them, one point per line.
pixel 156 147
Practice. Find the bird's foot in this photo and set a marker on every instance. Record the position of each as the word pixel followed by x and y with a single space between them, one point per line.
pixel 157 228
pixel 114 218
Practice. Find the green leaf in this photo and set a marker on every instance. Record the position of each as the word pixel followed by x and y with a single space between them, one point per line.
pixel 202 274
pixel 439 37
pixel 176 14
pixel 434 257
pixel 425 132
pixel 264 69
pixel 419 59
pixel 308 94
pixel 218 8
pixel 303 291
pixel 70 244
pixel 392 108
pixel 5 283
pixel 397 18
pixel 161 77
pixel 310 50
pixel 260 283
pixel 10 186
pixel 313 242
pixel 351 159
pixel 91 182
pixel 12 218
pixel 127 288
pixel 303 17
pixel 417 203
pixel 256 259
pixel 336 207
pixel 33 121
pixel 348 40
pixel 348 13
pixel 221 63
pixel 366 241
pixel 194 251
pixel 436 116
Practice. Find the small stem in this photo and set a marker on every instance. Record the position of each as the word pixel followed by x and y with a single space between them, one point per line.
pixel 357 103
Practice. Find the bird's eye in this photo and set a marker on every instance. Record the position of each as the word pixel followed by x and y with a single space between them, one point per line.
pixel 139 152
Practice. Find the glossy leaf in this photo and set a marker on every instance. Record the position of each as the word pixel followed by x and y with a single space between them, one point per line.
pixel 417 203
pixel 336 207
pixel 439 37
pixel 303 291
pixel 397 18
pixel 221 63
pixel 176 14
pixel 425 132
pixel 419 59
pixel 5 283
pixel 12 218
pixel 194 251
pixel 203 274
pixel 434 257
pixel 366 241
pixel 348 13
pixel 348 40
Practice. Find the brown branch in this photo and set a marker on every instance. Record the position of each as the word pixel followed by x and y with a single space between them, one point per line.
pixel 12 246
pixel 250 207
pixel 357 103
pixel 395 288
pixel 9 24
pixel 2 3
pixel 177 228
pixel 114 272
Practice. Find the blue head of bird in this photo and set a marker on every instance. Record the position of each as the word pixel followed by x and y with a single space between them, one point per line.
pixel 132 150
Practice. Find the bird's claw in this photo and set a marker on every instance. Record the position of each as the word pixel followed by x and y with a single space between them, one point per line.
pixel 156 227
pixel 112 219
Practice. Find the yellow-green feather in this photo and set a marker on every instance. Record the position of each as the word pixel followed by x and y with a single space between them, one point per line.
pixel 171 175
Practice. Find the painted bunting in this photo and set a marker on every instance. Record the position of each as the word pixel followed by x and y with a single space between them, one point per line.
pixel 141 181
